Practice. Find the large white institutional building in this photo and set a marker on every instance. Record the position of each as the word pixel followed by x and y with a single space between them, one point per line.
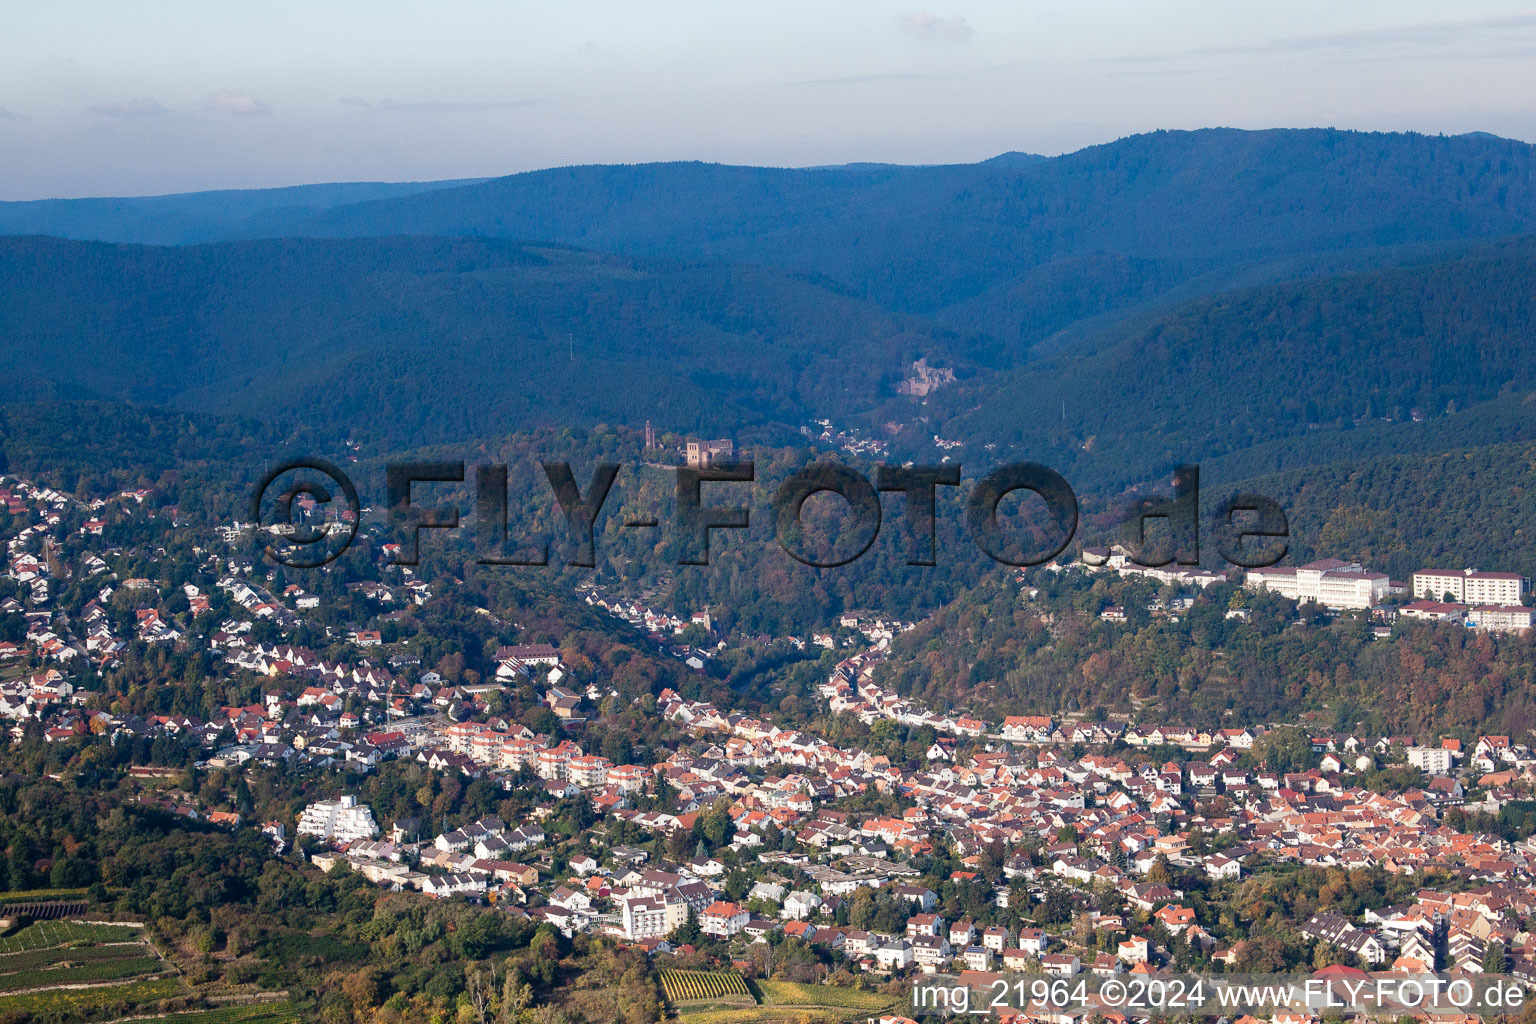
pixel 1328 582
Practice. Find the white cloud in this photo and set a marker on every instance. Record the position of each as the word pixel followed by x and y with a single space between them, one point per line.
pixel 11 115
pixel 933 30
pixel 238 104
pixel 139 106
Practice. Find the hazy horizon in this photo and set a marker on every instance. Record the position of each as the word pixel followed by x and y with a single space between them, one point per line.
pixel 110 103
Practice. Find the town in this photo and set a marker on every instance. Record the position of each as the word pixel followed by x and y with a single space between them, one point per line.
pixel 1062 843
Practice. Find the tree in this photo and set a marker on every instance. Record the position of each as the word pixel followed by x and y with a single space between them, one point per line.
pixel 1285 748
pixel 515 997
pixel 1056 908
pixel 364 989
pixel 688 931
pixel 717 824
pixel 1495 960
pixel 737 884
pixel 480 989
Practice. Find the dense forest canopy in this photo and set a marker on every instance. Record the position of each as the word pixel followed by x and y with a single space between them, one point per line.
pixel 418 339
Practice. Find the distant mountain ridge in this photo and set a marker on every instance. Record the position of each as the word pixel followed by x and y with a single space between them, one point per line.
pixel 926 239
pixel 1019 247
pixel 192 217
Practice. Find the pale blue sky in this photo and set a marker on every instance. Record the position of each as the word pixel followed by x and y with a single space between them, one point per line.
pixel 101 98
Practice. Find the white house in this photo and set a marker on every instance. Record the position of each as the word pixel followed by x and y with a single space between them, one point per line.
pixel 894 957
pixel 447 885
pixel 1061 963
pixel 800 905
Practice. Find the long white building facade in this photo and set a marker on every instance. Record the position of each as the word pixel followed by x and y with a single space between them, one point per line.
pixel 1329 582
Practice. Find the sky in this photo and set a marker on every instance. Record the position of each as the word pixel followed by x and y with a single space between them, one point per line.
pixel 107 98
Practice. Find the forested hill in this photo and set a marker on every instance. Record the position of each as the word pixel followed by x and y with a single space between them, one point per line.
pixel 1304 366
pixel 420 339
pixel 1021 248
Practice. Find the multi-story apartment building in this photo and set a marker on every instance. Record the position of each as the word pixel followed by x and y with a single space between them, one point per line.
pixel 653 917
pixel 343 820
pixel 588 771
pixel 722 919
pixel 1430 760
pixel 629 778
pixel 1468 586
pixel 553 764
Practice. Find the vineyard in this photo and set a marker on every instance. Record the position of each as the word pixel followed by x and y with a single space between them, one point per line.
pixel 54 954
pixel 789 993
pixel 116 1000
pixel 59 969
pixel 40 959
pixel 71 970
pixel 64 970
pixel 701 988
pixel 44 934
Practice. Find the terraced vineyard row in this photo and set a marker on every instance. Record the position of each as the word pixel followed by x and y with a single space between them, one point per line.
pixel 768 1015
